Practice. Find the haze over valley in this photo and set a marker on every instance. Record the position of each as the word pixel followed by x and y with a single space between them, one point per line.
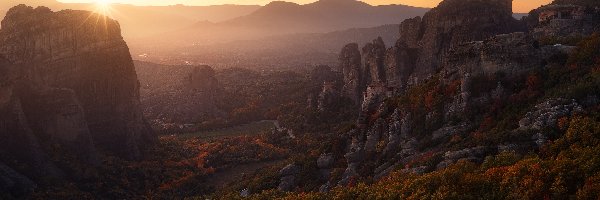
pixel 332 99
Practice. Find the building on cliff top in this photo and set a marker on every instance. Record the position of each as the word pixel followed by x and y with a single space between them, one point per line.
pixel 558 12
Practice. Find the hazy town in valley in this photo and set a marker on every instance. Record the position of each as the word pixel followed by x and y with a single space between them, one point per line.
pixel 300 99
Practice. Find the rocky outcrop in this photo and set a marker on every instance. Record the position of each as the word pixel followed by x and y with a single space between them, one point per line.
pixel 328 98
pixel 374 58
pixel 424 44
pixel 448 52
pixel 325 164
pixel 564 20
pixel 55 114
pixel 548 113
pixel 400 61
pixel 351 68
pixel 510 54
pixel 80 60
pixel 475 154
pixel 410 32
pixel 288 178
pixel 354 157
pixel 197 102
pixel 68 88
pixel 458 39
pixel 454 22
pixel 326 89
pixel 373 96
pixel 178 98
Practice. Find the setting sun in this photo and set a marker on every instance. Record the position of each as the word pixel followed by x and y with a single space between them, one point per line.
pixel 103 7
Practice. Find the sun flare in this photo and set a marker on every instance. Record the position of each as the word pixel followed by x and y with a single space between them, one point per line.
pixel 103 7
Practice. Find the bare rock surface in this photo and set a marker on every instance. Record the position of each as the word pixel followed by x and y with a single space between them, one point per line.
pixel 67 81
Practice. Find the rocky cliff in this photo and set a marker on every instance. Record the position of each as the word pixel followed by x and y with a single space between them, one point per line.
pixel 452 53
pixel 564 21
pixel 453 22
pixel 68 81
pixel 351 67
pixel 424 44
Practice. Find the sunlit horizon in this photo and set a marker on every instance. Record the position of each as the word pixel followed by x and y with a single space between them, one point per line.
pixel 520 6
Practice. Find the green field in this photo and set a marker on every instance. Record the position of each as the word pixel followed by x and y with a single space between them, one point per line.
pixel 245 129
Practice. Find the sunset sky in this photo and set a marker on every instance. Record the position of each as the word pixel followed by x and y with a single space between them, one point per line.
pixel 519 5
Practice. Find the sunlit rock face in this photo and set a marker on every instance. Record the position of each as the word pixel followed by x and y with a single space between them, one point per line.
pixel 76 80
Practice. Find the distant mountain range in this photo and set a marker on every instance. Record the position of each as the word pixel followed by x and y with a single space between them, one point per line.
pixel 323 16
pixel 281 18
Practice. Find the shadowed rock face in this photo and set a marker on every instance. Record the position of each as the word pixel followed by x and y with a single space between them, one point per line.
pixel 198 101
pixel 350 66
pixel 455 40
pixel 454 22
pixel 423 45
pixel 18 143
pixel 374 57
pixel 74 80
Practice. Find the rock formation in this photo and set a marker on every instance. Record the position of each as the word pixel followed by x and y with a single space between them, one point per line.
pixel 423 44
pixel 288 178
pixel 83 58
pixel 67 80
pixel 509 54
pixel 373 58
pixel 400 63
pixel 454 43
pixel 200 96
pixel 325 89
pixel 548 113
pixel 351 68
pixel 179 97
pixel 454 22
pixel 564 20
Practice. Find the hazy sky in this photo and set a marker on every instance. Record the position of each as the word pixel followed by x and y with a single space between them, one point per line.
pixel 519 5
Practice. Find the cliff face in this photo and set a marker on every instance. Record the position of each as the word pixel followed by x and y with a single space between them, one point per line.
pixel 72 82
pixel 424 45
pixel 455 45
pixel 350 66
pixel 509 54
pixel 374 57
pixel 565 20
pixel 454 22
